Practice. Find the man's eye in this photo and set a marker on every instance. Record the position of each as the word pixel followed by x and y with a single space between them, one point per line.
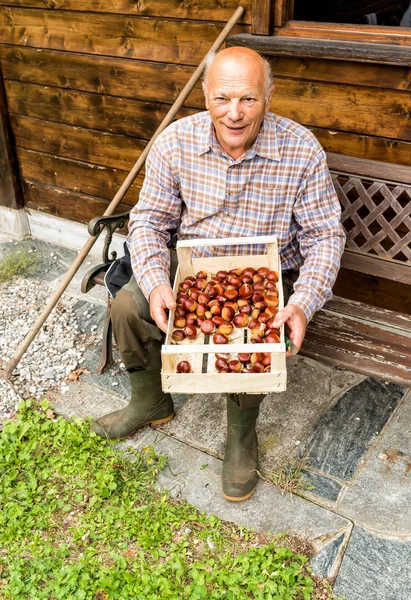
pixel 248 100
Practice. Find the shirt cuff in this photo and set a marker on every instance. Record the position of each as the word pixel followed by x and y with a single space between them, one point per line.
pixel 148 282
pixel 307 303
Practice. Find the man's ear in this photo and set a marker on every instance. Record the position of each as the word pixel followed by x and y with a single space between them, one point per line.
pixel 205 95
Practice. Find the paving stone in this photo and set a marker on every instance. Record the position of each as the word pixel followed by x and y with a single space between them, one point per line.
pixel 322 486
pixel 284 418
pixel 113 379
pixel 196 477
pixel 325 562
pixel 85 400
pixel 342 436
pixel 375 568
pixel 379 499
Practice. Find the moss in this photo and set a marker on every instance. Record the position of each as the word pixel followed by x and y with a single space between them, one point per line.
pixel 16 263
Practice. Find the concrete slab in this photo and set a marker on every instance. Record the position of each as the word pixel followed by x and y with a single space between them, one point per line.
pixel 285 419
pixel 379 499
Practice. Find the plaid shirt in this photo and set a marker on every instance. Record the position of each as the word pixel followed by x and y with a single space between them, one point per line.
pixel 280 186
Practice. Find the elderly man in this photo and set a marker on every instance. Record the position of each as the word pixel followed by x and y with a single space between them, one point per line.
pixel 234 170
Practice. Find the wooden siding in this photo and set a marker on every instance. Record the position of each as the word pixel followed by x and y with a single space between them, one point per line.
pixel 87 84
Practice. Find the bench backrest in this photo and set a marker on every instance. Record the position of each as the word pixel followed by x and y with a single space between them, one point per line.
pixel 376 214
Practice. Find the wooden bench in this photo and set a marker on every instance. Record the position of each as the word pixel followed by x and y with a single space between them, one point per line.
pixel 363 331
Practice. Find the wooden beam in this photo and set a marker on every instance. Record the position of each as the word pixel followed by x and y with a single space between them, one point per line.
pixel 10 190
pixel 262 17
pixel 280 13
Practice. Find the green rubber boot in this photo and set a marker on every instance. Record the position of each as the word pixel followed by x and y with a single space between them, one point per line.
pixel 241 453
pixel 148 405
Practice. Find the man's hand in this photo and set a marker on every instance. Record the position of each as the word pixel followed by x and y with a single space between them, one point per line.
pixel 160 299
pixel 293 316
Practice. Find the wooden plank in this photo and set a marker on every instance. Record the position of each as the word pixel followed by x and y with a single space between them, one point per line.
pixel 181 42
pixel 363 146
pixel 342 71
pixel 369 313
pixel 376 170
pixel 354 361
pixel 65 203
pixel 373 290
pixel 400 36
pixel 280 13
pixel 289 42
pixel 87 145
pixel 262 22
pixel 358 346
pixel 354 109
pixel 189 9
pixel 94 111
pixel 76 176
pixel 100 74
pixel 393 270
pixel 10 191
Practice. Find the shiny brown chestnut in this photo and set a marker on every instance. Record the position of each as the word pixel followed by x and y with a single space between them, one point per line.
pixel 272 338
pixel 190 332
pixel 244 357
pixel 203 298
pixel 263 271
pixel 271 286
pixel 189 304
pixel 246 309
pixel 220 338
pixel 193 293
pixel 253 323
pixel 200 283
pixel 201 275
pixel 257 297
pixel 221 274
pixel 227 312
pixel 248 271
pixel 256 357
pixel 245 291
pixel 185 285
pixel 257 368
pixel 271 310
pixel 184 367
pixel 231 293
pixel 272 276
pixel 180 312
pixel 235 366
pixel 180 322
pixel 233 305
pixel 191 318
pixel 235 281
pixel 207 326
pixel 225 328
pixel 178 335
pixel 218 320
pixel 201 310
pixel 220 363
pixel 240 320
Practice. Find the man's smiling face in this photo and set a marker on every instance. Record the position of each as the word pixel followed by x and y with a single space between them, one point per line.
pixel 236 98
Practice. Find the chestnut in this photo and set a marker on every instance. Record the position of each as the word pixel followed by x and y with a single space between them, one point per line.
pixel 200 283
pixel 240 320
pixel 200 320
pixel 180 311
pixel 248 271
pixel 272 276
pixel 220 338
pixel 256 357
pixel 201 309
pixel 244 357
pixel 257 368
pixel 203 298
pixel 178 335
pixel 246 309
pixel 224 355
pixel 201 275
pixel 235 281
pixel 271 300
pixel 191 318
pixel 266 360
pixel 227 312
pixel 263 271
pixel 271 286
pixel 180 298
pixel 257 340
pixel 220 363
pixel 215 309
pixel 207 326
pixel 259 287
pixel 185 285
pixel 180 322
pixel 235 366
pixel 221 274
pixel 263 317
pixel 225 328
pixel 189 304
pixel 218 320
pixel 190 331
pixel 267 369
pixel 236 271
pixel 255 313
pixel 210 290
pixel 194 293
pixel 258 331
pixel 184 367
pixel 253 323
pixel 208 314
pixel 257 297
pixel 257 278
pixel 246 278
pixel 271 310
pixel 272 338
pixel 231 293
pixel 233 305
pixel 219 290
pixel 245 291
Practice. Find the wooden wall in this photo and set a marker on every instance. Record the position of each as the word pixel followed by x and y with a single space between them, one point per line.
pixel 87 83
pixel 354 108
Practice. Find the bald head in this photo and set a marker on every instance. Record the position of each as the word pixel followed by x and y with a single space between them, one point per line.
pixel 238 57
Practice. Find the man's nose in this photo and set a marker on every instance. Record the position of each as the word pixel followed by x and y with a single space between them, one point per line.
pixel 234 111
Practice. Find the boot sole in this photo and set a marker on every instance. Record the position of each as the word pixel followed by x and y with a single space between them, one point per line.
pixel 241 498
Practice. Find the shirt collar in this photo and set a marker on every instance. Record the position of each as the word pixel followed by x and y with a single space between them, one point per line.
pixel 265 145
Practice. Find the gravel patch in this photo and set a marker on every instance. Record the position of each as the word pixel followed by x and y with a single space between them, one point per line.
pixel 54 355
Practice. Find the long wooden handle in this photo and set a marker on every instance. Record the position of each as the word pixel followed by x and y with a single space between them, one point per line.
pixel 13 362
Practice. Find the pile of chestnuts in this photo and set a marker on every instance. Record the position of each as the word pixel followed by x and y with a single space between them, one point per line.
pixel 237 298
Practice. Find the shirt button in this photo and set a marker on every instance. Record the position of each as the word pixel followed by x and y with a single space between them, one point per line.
pixel 229 215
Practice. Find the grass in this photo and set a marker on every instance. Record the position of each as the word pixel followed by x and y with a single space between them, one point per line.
pixel 17 262
pixel 289 477
pixel 81 520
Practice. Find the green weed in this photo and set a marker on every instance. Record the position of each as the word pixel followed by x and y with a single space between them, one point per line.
pixel 81 520
pixel 16 263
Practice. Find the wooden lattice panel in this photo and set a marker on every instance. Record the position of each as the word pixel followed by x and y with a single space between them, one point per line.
pixel 376 216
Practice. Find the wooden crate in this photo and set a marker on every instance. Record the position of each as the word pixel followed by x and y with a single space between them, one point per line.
pixel 201 352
